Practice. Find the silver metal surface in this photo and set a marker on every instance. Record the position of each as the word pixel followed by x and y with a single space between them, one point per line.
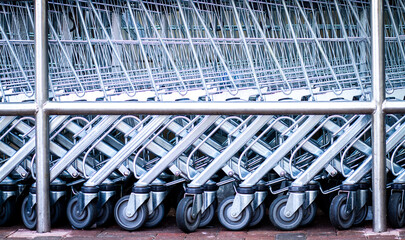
pixel 79 148
pixel 211 108
pixel 17 109
pixel 42 119
pixel 183 54
pixel 126 151
pixel 394 107
pixel 180 147
pixel 280 152
pixel 378 130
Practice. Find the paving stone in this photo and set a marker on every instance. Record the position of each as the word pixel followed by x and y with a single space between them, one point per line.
pixel 382 237
pixel 83 234
pixel 289 236
pixel 260 238
pixel 232 234
pixel 261 233
pixel 336 238
pixel 132 238
pixel 201 235
pixel 169 238
pixel 28 234
pixel 350 232
pixel 47 238
pixel 6 232
pixel 124 234
pixel 164 235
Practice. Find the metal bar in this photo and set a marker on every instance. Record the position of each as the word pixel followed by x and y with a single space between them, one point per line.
pixel 17 109
pixel 378 132
pixel 209 108
pixel 394 107
pixel 42 119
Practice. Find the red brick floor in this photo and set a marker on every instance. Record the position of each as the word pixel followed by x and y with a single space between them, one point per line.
pixel 319 230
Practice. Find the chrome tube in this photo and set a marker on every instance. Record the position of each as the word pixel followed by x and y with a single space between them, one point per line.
pixel 42 119
pixel 208 108
pixel 378 132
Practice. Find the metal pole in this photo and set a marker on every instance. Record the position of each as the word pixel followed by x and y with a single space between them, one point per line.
pixel 394 107
pixel 42 119
pixel 17 109
pixel 209 108
pixel 378 133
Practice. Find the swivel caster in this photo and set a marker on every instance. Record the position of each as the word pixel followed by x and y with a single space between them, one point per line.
pixel 233 222
pixel 81 219
pixel 258 215
pixel 129 223
pixel 361 215
pixel 309 215
pixel 396 216
pixel 207 216
pixel 6 212
pixel 105 214
pixel 29 215
pixel 279 219
pixel 338 214
pixel 184 218
pixel 156 217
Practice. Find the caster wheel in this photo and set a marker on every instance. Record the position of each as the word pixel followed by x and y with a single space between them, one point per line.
pixel 29 216
pixel 361 216
pixel 81 220
pixel 156 217
pixel 338 215
pixel 230 222
pixel 185 221
pixel 6 212
pixel 278 218
pixel 207 216
pixel 57 212
pixel 309 214
pixel 129 223
pixel 105 214
pixel 396 216
pixel 258 215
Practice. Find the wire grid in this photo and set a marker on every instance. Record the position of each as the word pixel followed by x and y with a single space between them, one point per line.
pixel 189 48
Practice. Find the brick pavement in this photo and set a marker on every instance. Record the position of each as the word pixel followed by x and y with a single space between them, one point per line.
pixel 319 230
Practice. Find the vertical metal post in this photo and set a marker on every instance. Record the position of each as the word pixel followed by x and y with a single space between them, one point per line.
pixel 42 119
pixel 378 133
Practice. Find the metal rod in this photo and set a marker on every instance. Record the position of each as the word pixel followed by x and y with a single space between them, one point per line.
pixel 394 107
pixel 378 133
pixel 42 120
pixel 208 108
pixel 17 109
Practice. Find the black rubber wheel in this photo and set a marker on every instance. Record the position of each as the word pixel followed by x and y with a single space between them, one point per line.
pixel 258 215
pixel 396 216
pixel 339 217
pixel 207 216
pixel 29 217
pixel 57 212
pixel 278 218
pixel 105 214
pixel 361 216
pixel 230 222
pixel 309 214
pixel 184 218
pixel 156 217
pixel 129 223
pixel 7 212
pixel 81 220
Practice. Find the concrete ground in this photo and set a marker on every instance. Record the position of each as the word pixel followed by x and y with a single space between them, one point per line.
pixel 319 230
